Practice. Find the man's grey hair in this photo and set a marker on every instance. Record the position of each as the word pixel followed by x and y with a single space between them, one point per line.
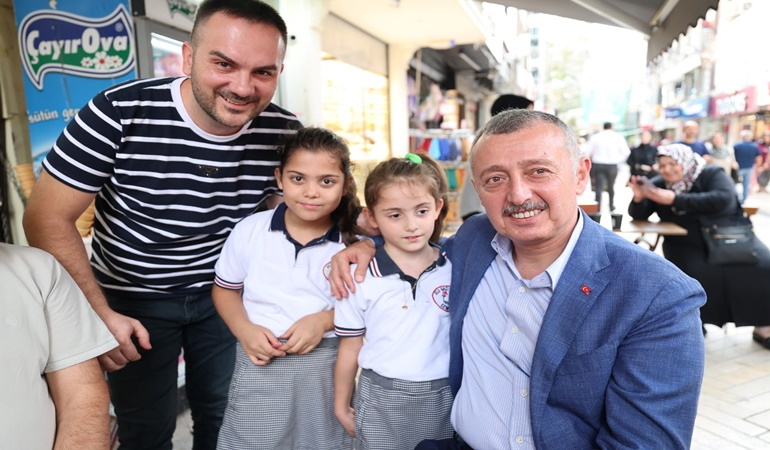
pixel 515 120
pixel 747 135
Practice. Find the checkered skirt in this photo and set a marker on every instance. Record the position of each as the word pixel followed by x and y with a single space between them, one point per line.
pixel 287 404
pixel 394 414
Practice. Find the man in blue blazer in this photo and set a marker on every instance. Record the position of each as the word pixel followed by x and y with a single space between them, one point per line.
pixel 563 335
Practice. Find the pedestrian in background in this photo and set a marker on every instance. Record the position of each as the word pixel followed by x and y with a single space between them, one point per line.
pixel 607 149
pixel 763 171
pixel 723 156
pixel 691 129
pixel 642 158
pixel 747 155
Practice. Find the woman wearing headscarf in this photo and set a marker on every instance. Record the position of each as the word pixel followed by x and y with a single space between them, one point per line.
pixel 685 191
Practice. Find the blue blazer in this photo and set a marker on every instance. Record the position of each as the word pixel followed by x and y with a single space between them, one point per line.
pixel 620 356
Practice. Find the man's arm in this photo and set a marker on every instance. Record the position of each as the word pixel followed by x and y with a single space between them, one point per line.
pixel 49 223
pixel 651 400
pixel 340 280
pixel 82 401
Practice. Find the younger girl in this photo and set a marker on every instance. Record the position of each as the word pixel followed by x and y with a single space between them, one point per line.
pixel 403 394
pixel 271 290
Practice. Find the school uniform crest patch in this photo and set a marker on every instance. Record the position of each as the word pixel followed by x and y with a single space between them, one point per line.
pixel 440 297
pixel 327 270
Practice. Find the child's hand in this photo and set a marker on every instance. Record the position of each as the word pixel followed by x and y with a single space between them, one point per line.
pixel 347 417
pixel 260 345
pixel 307 332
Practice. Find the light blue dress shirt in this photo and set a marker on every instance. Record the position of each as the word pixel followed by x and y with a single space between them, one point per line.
pixel 491 410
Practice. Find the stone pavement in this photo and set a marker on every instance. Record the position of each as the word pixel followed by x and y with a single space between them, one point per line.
pixel 734 408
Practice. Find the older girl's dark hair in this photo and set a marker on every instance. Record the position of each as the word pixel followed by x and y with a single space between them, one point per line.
pixel 427 173
pixel 317 140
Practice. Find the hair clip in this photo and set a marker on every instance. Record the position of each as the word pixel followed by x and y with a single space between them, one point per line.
pixel 413 158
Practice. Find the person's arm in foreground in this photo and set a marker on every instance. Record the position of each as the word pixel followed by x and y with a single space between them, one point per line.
pixel 651 400
pixel 82 403
pixel 49 223
pixel 340 279
pixel 259 343
pixel 344 381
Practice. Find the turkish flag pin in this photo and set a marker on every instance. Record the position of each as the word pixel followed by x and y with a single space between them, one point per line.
pixel 586 290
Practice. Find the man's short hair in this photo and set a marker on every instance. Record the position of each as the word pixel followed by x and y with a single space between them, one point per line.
pixel 747 135
pixel 514 120
pixel 607 125
pixel 253 10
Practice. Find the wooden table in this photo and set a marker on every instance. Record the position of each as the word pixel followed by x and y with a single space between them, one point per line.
pixel 658 228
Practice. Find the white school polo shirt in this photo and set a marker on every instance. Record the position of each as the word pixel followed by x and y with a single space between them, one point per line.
pixel 405 321
pixel 282 280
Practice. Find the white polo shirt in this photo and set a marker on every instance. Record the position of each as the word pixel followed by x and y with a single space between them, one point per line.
pixel 405 321
pixel 282 280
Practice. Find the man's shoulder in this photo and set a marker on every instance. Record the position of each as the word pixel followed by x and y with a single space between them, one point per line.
pixel 276 117
pixel 140 89
pixel 30 256
pixel 478 226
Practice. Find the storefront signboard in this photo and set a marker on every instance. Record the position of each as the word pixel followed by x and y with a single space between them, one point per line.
pixel 741 102
pixel 672 112
pixel 696 108
pixel 70 51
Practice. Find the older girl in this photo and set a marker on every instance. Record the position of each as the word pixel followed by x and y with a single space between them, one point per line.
pixel 272 292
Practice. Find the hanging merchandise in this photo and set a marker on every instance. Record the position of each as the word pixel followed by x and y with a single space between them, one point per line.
pixel 450 148
pixel 435 149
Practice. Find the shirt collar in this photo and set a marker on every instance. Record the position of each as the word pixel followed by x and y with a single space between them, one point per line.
pixel 278 223
pixel 504 247
pixel 383 265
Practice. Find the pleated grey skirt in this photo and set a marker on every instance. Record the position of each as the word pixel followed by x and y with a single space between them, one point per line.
pixel 394 414
pixel 287 404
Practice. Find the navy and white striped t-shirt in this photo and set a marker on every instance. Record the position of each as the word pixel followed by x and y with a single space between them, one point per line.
pixel 168 192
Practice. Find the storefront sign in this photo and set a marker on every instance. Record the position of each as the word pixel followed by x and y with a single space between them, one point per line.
pixel 743 101
pixel 56 41
pixel 70 51
pixel 672 112
pixel 696 108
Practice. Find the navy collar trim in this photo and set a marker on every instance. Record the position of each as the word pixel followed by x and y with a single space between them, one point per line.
pixel 383 265
pixel 278 223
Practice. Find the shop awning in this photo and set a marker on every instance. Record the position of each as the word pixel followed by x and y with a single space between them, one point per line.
pixel 662 21
pixel 422 23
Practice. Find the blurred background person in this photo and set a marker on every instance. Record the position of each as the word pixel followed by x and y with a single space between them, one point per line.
pixel 747 155
pixel 763 171
pixel 691 129
pixel 685 191
pixel 606 149
pixel 723 156
pixel 642 157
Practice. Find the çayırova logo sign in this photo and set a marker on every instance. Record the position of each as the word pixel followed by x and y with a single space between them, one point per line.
pixel 56 41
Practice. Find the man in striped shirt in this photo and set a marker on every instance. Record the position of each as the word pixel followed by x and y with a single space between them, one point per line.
pixel 173 164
